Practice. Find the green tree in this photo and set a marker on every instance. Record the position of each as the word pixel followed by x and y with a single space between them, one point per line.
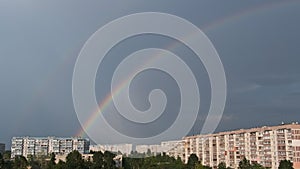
pixel 35 165
pixel 244 164
pixel 5 162
pixel 51 164
pixel 98 160
pixel 199 166
pixel 192 161
pixel 6 155
pixel 31 161
pixel 109 162
pixel 222 165
pixel 178 163
pixel 8 164
pixel 1 161
pixel 285 164
pixel 74 160
pixel 133 163
pixel 60 165
pixel 52 159
pixel 257 166
pixel 20 163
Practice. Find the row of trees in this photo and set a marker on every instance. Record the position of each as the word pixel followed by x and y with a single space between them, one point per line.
pixel 245 164
pixel 99 160
pixel 74 160
pixel 105 160
pixel 166 162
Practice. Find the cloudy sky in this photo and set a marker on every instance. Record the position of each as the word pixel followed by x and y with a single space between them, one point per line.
pixel 257 41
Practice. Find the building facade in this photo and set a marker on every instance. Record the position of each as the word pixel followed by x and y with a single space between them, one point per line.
pixel 2 148
pixel 265 145
pixel 174 148
pixel 43 146
pixel 115 148
pixel 154 149
pixel 171 148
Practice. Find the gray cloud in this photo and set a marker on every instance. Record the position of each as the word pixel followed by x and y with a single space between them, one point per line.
pixel 40 42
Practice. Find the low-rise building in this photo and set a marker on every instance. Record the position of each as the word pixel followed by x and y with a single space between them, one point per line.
pixel 174 148
pixel 115 148
pixel 153 149
pixel 2 148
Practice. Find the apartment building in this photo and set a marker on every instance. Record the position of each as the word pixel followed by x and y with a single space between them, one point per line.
pixel 265 145
pixel 155 149
pixel 115 148
pixel 2 148
pixel 171 148
pixel 174 148
pixel 43 146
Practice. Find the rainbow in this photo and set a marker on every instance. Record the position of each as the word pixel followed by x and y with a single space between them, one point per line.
pixel 208 27
pixel 108 98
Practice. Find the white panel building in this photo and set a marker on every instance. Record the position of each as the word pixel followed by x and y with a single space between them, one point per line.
pixel 43 146
pixel 154 149
pixel 265 145
pixel 115 148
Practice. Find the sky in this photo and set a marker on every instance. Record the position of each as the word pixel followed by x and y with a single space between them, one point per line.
pixel 257 42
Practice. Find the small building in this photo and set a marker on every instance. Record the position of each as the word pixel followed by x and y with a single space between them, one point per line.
pixel 2 148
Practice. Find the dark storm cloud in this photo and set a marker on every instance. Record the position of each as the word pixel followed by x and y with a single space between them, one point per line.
pixel 40 41
pixel 275 80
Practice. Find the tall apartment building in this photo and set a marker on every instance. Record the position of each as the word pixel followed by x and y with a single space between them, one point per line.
pixel 40 146
pixel 265 145
pixel 2 148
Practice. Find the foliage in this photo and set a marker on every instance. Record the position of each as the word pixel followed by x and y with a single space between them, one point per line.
pixel 244 164
pixel 222 165
pixel 192 161
pixel 153 162
pixel 1 161
pixel 74 161
pixel 98 160
pixel 20 163
pixel 285 164
pixel 105 160
pixel 51 164
pixel 108 159
pixel 6 155
pixel 257 166
pixel 200 166
pixel 60 165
